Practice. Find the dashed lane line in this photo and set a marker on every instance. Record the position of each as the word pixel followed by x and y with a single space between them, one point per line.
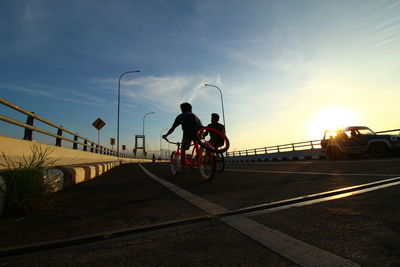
pixel 318 173
pixel 289 247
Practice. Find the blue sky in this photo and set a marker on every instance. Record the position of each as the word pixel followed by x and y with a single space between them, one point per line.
pixel 285 67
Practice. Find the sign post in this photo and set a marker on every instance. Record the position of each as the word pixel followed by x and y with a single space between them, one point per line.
pixel 98 124
pixel 112 143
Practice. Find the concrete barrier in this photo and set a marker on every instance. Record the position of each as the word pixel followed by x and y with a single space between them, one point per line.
pixel 17 149
pixel 289 155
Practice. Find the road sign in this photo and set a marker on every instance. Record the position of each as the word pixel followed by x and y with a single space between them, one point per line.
pixel 98 124
pixel 112 141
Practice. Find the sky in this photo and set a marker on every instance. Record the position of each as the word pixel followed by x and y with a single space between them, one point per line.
pixel 287 69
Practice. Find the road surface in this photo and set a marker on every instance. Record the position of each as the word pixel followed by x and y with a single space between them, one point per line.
pixel 298 213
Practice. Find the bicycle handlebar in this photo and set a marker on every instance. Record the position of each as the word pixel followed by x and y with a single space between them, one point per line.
pixel 175 143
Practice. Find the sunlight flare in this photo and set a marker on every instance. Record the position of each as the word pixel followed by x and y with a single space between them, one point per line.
pixel 331 118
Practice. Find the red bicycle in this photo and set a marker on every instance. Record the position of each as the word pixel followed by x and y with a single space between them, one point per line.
pixel 203 153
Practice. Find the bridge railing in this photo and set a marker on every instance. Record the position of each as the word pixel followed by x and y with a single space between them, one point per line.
pixel 389 131
pixel 306 145
pixel 76 139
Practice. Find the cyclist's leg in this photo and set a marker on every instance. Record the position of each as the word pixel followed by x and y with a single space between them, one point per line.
pixel 174 163
pixel 185 146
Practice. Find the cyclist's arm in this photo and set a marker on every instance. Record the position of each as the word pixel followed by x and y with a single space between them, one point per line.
pixel 170 131
pixel 177 122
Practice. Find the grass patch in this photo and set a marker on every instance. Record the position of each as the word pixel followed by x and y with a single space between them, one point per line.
pixel 25 182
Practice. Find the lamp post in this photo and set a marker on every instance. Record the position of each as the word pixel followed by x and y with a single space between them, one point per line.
pixel 119 87
pixel 145 117
pixel 161 139
pixel 143 129
pixel 222 102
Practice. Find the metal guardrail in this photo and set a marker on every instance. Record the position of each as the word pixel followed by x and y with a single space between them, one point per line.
pixel 87 144
pixel 307 145
pixel 388 131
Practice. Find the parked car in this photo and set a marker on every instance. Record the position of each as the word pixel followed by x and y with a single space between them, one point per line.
pixel 358 140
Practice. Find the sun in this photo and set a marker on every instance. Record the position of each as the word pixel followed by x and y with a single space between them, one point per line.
pixel 331 118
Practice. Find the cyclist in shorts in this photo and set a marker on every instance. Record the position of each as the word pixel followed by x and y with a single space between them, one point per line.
pixel 190 125
pixel 216 140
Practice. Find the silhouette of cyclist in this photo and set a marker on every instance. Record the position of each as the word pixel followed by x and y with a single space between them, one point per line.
pixel 190 125
pixel 215 139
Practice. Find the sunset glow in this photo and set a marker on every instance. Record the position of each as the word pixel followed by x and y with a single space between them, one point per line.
pixel 330 119
pixel 286 70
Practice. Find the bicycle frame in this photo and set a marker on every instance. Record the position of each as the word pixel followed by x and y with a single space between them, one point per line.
pixel 200 156
pixel 190 158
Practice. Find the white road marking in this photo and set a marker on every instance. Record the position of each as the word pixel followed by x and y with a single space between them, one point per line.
pixel 289 247
pixel 301 253
pixel 317 173
pixel 199 202
pixel 323 199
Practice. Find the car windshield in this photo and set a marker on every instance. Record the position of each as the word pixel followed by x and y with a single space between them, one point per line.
pixel 355 132
pixel 365 132
pixel 347 133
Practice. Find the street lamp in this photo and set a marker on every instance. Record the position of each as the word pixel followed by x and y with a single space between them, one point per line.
pixel 161 139
pixel 145 117
pixel 119 86
pixel 143 129
pixel 222 101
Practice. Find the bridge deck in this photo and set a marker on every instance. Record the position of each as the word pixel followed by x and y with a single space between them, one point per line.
pixel 361 228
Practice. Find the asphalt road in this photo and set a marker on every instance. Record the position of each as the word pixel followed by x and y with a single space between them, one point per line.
pixel 359 227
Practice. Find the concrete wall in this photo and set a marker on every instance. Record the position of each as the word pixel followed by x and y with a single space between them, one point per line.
pixel 17 149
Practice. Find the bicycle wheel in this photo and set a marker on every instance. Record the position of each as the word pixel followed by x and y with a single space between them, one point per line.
pixel 175 162
pixel 204 140
pixel 207 165
pixel 220 161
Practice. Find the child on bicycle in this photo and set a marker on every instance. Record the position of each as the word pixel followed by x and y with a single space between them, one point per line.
pixel 215 139
pixel 190 125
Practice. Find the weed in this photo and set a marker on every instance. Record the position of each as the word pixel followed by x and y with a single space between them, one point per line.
pixel 25 181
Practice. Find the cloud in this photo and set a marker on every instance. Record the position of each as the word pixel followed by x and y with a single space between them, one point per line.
pixel 163 92
pixel 24 89
pixel 39 90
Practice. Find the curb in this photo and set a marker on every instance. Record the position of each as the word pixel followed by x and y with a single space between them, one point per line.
pixel 76 174
pixel 265 159
pixel 308 154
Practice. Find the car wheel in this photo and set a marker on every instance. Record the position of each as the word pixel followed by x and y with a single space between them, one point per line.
pixel 378 150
